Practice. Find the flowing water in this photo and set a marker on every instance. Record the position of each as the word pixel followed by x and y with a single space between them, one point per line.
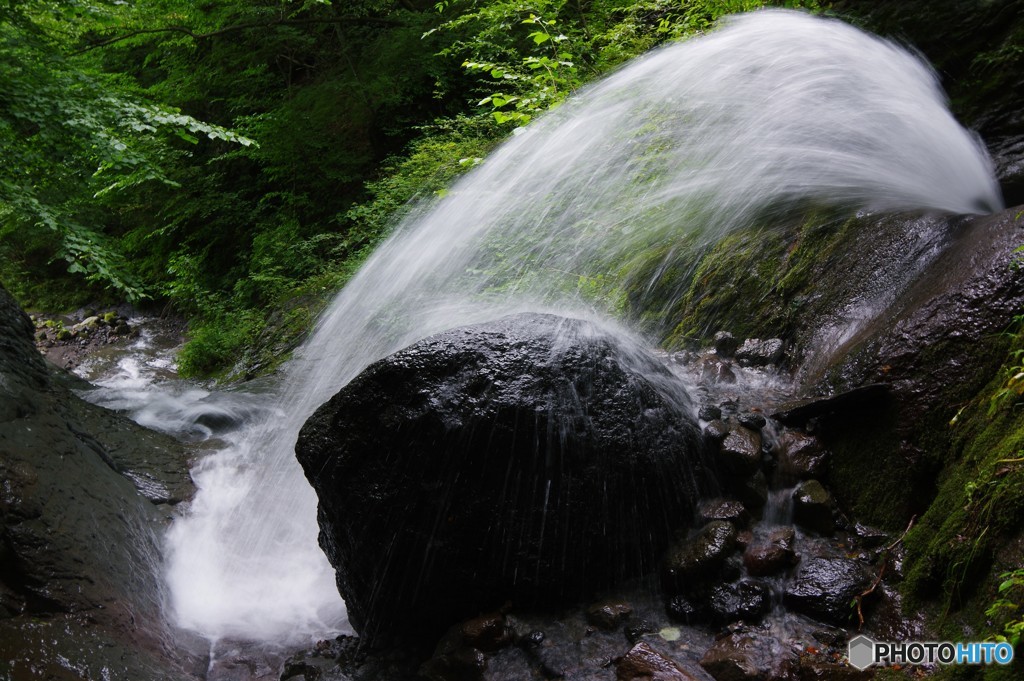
pixel 775 109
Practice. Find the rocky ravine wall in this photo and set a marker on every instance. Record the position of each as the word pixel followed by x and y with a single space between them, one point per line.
pixel 79 595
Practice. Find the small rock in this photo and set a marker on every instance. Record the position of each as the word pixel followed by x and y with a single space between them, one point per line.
pixel 746 600
pixel 772 555
pixel 122 329
pixel 716 431
pixel 637 630
pixel 701 556
pixel 741 451
pixel 823 588
pixel 533 639
pixel 717 371
pixel 752 419
pixel 608 614
pixel 724 509
pixel 726 344
pixel 812 507
pixel 683 610
pixel 744 539
pixel 644 663
pixel 801 455
pixel 487 632
pixel 748 654
pixel 87 325
pixel 109 318
pixel 758 353
pixel 709 412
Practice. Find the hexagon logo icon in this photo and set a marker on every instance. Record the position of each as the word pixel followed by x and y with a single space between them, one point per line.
pixel 861 652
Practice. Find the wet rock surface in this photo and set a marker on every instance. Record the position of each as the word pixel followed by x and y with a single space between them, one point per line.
pixel 812 507
pixel 80 540
pixel 758 353
pixel 772 554
pixel 825 588
pixel 693 561
pixel 533 459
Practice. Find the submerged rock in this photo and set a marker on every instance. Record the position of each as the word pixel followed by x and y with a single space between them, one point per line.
pixel 534 458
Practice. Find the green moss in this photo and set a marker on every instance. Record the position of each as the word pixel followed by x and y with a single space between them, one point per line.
pixel 980 502
pixel 751 282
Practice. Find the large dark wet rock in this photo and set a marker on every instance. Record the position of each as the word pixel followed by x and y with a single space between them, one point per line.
pixel 933 346
pixel 535 459
pixel 79 588
pixel 692 562
pixel 825 588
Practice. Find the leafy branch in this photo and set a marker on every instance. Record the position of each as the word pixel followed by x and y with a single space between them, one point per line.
pixel 235 28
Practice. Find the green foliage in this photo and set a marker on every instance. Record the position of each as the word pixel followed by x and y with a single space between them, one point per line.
pixel 531 66
pixel 74 136
pixel 218 342
pixel 1010 611
pixel 131 163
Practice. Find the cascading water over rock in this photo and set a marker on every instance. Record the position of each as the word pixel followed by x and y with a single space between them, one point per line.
pixel 695 139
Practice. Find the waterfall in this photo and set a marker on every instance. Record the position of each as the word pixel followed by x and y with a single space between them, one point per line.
pixel 695 139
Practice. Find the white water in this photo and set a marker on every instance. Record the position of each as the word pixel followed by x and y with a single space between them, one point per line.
pixel 682 145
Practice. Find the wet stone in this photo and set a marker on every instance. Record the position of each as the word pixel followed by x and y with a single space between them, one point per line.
pixel 644 663
pixel 748 654
pixel 637 630
pixel 453 428
pixel 746 600
pixel 717 371
pixel 716 431
pixel 758 353
pixel 801 455
pixel 752 419
pixel 823 588
pixel 870 537
pixel 724 509
pixel 771 555
pixel 487 632
pixel 608 614
pixel 741 451
pixel 701 556
pixel 683 610
pixel 812 507
pixel 709 412
pixel 726 344
pixel 533 639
